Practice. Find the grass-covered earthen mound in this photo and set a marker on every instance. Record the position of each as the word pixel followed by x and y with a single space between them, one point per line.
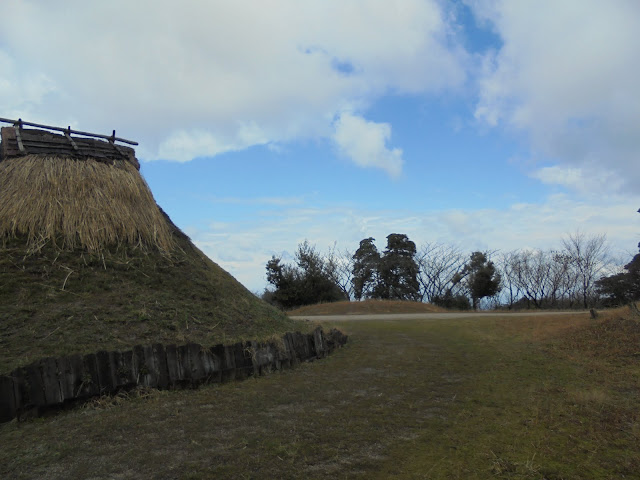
pixel 366 307
pixel 56 302
pixel 89 262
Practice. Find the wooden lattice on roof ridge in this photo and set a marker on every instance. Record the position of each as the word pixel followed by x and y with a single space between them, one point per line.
pixel 18 141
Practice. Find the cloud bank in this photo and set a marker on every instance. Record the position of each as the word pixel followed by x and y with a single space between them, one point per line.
pixel 567 77
pixel 219 76
pixel 213 77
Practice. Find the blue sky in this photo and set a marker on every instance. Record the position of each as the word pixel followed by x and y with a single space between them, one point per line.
pixel 486 124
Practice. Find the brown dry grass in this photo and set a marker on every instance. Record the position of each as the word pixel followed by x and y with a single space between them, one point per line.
pixel 366 307
pixel 613 338
pixel 79 203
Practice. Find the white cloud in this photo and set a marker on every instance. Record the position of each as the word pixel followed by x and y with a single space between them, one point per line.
pixel 182 145
pixel 567 76
pixel 365 143
pixel 210 77
pixel 574 178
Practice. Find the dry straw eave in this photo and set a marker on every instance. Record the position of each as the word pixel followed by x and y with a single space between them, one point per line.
pixel 79 202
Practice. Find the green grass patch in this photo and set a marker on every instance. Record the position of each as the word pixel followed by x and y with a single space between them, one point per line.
pixel 480 398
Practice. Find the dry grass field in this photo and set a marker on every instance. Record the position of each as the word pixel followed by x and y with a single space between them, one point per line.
pixel 544 397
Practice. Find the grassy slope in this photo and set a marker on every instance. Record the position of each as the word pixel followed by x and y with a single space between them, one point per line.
pixel 366 307
pixel 54 303
pixel 481 398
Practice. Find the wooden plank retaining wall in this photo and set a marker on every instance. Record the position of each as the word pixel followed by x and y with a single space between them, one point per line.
pixel 52 382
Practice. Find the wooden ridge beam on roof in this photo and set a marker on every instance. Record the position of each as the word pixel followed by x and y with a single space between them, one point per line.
pixel 112 138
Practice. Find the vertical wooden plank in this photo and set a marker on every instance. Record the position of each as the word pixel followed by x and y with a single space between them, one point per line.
pixel 196 363
pixel 291 349
pixel 20 395
pixel 238 361
pixel 310 346
pixel 278 348
pixel 35 386
pixel 183 359
pixel 151 377
pixel 209 364
pixel 217 363
pixel 71 369
pixel 8 410
pixel 319 343
pixel 160 359
pixel 90 385
pixel 140 368
pixel 174 371
pixel 51 381
pixel 227 359
pixel 124 369
pixel 105 373
pixel 253 354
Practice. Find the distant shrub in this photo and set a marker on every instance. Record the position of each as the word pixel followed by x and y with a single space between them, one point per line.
pixel 453 302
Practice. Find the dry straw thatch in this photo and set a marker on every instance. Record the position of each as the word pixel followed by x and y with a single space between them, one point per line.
pixel 79 203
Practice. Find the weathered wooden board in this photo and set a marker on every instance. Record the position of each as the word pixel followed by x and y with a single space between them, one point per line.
pixel 41 142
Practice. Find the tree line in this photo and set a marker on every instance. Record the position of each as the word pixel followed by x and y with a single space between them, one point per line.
pixel 577 275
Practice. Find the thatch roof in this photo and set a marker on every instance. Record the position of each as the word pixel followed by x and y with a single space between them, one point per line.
pixel 83 193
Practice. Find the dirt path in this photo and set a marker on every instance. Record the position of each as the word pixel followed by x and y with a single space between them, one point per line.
pixel 426 316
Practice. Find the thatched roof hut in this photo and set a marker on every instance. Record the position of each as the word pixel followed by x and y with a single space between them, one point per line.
pixel 76 192
pixel 89 262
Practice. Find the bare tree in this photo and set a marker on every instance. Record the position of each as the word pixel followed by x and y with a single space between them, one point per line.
pixel 531 272
pixel 340 267
pixel 588 257
pixel 554 278
pixel 562 279
pixel 438 264
pixel 511 290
